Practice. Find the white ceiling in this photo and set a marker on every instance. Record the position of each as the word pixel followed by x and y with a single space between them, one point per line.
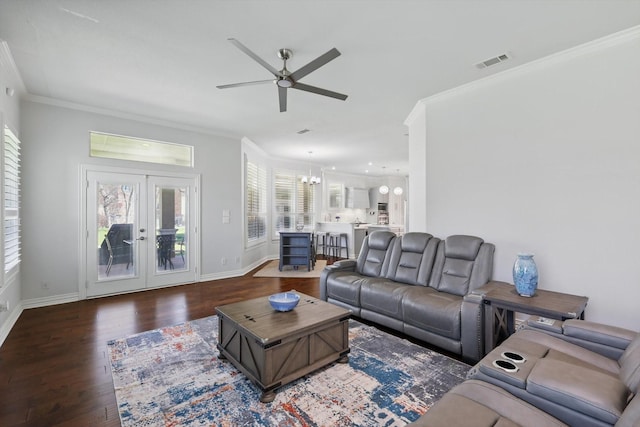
pixel 163 59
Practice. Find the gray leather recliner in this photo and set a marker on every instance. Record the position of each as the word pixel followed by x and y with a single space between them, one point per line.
pixel 340 282
pixel 419 285
pixel 582 373
pixel 479 404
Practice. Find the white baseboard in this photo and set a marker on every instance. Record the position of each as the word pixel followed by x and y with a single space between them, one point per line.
pixel 8 324
pixel 218 276
pixel 52 300
pixel 233 273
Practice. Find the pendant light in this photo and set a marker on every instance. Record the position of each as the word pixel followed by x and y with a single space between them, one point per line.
pixel 398 190
pixel 383 188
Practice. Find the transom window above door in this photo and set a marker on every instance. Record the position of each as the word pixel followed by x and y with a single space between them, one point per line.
pixel 120 147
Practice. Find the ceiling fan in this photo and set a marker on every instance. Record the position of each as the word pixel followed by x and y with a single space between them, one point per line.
pixel 286 79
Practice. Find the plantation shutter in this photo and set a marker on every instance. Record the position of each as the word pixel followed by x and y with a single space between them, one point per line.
pixel 284 191
pixel 11 188
pixel 305 202
pixel 293 202
pixel 255 205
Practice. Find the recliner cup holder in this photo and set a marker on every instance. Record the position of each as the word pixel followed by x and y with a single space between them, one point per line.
pixel 505 365
pixel 513 357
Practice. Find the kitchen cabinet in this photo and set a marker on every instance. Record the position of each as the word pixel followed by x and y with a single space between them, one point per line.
pixel 357 198
pixel 336 196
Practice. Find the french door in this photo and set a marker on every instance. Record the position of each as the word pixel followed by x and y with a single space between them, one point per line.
pixel 140 231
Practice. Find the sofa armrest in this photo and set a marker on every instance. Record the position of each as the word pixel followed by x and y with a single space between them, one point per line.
pixel 607 340
pixel 484 289
pixel 472 326
pixel 343 265
pixel 608 335
pixel 477 295
pixel 545 324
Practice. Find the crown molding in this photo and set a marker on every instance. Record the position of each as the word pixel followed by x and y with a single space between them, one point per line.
pixel 123 115
pixel 7 62
pixel 417 111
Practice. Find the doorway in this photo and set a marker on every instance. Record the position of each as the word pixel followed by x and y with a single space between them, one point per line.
pixel 140 229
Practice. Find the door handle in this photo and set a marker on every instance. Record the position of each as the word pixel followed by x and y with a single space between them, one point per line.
pixel 140 238
pixel 142 230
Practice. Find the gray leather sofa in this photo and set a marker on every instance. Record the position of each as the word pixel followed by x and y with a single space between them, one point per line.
pixel 479 404
pixel 580 373
pixel 419 285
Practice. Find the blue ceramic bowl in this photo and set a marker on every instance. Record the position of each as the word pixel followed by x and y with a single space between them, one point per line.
pixel 285 301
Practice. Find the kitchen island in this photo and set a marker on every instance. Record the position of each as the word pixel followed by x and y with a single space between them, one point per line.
pixel 340 227
pixel 356 232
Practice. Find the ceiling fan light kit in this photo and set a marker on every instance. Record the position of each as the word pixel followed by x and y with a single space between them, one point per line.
pixel 284 83
pixel 285 79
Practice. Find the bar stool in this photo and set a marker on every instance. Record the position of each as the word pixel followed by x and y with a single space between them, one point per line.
pixel 338 242
pixel 321 238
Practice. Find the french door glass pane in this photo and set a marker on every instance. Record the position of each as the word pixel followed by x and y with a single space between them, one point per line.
pixel 170 223
pixel 116 204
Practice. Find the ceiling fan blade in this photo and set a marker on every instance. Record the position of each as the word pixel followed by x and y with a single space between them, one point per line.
pixel 255 57
pixel 282 94
pixel 315 64
pixel 319 91
pixel 257 82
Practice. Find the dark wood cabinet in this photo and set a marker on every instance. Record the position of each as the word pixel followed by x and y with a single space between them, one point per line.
pixel 296 249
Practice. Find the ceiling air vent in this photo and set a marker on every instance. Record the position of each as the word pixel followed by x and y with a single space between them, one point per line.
pixel 303 131
pixel 492 61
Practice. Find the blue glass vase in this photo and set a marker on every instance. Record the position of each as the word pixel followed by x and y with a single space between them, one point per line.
pixel 525 275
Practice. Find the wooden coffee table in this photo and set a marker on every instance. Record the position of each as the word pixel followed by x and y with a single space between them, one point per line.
pixel 274 348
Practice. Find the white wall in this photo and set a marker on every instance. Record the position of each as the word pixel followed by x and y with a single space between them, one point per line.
pixel 417 200
pixel 545 159
pixel 56 142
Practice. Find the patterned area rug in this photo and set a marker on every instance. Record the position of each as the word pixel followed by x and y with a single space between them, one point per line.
pixel 172 377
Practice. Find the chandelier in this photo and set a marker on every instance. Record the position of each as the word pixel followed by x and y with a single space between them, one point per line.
pixel 311 179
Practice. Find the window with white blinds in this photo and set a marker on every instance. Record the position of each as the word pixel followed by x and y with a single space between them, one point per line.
pixel 293 202
pixel 255 202
pixel 11 200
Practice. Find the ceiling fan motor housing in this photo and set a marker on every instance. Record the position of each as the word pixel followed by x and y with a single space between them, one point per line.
pixel 285 54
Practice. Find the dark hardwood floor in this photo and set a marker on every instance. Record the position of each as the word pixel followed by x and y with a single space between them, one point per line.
pixel 54 368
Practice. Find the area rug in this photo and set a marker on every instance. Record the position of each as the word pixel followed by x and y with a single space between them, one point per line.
pixel 271 270
pixel 173 377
